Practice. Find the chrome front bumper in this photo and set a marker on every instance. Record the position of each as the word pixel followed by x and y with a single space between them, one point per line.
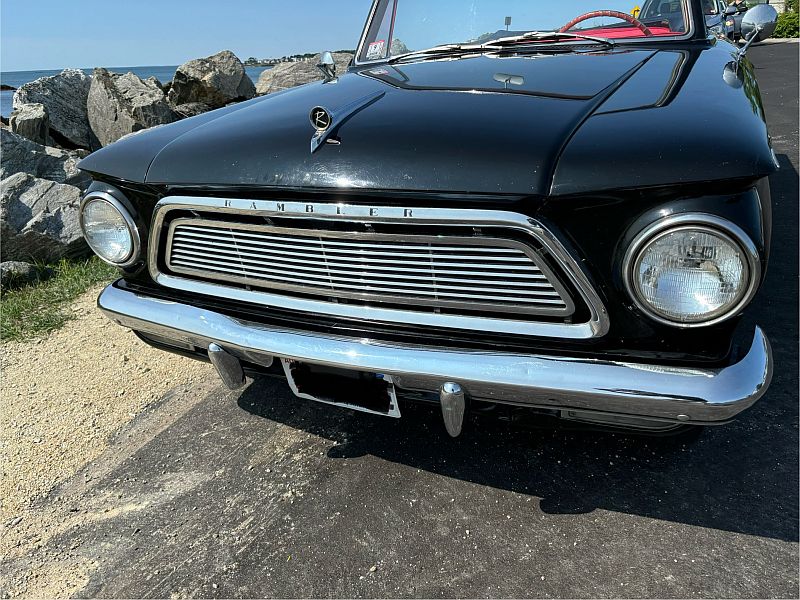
pixel 666 394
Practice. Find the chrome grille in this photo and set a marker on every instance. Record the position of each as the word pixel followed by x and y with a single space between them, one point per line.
pixel 457 273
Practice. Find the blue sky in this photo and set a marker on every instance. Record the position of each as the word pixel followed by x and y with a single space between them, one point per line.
pixel 54 34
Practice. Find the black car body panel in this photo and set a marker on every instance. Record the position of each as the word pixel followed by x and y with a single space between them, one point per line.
pixel 543 132
pixel 661 142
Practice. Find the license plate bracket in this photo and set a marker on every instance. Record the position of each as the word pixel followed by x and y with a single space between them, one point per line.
pixel 371 393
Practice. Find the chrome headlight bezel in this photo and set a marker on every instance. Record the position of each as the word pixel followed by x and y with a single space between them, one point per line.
pixel 125 212
pixel 712 224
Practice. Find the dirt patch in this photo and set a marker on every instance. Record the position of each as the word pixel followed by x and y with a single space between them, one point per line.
pixel 64 395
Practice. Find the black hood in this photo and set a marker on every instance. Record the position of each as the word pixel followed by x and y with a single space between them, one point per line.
pixel 481 124
pixel 466 133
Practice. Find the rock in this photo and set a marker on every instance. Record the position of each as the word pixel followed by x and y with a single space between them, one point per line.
pixel 14 522
pixel 64 97
pixel 7 88
pixel 289 75
pixel 121 104
pixel 167 87
pixel 31 121
pixel 192 109
pixel 21 155
pixel 154 81
pixel 398 48
pixel 216 81
pixel 39 220
pixel 16 274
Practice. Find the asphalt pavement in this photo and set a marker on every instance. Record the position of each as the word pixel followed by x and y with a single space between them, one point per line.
pixel 216 494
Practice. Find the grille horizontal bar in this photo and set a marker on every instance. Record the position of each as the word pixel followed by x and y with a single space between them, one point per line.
pixel 433 272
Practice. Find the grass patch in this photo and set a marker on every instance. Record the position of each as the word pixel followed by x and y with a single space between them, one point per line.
pixel 37 309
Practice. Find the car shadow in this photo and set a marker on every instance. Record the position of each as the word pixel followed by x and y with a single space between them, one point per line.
pixel 727 479
pixel 740 478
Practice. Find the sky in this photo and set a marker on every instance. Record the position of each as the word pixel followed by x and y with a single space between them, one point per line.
pixel 56 34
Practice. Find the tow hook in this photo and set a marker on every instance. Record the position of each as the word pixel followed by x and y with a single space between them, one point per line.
pixel 453 401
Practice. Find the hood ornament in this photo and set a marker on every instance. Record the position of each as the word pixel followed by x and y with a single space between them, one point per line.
pixel 328 67
pixel 327 123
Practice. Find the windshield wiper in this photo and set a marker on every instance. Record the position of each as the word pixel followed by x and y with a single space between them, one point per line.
pixel 549 36
pixel 531 37
pixel 437 50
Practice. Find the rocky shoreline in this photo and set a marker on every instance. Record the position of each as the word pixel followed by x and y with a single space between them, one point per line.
pixel 60 119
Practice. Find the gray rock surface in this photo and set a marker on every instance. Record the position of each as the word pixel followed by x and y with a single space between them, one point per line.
pixel 64 96
pixel 39 220
pixel 154 80
pixel 289 75
pixel 121 104
pixel 21 155
pixel 216 81
pixel 31 121
pixel 15 273
pixel 398 47
pixel 192 109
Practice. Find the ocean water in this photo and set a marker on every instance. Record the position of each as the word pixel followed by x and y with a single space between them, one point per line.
pixel 163 74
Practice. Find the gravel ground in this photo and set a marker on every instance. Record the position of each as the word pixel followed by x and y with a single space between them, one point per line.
pixel 63 396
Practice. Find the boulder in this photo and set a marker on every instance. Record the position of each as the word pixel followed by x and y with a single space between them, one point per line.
pixel 21 155
pixel 121 104
pixel 192 109
pixel 39 220
pixel 216 81
pixel 154 81
pixel 398 47
pixel 15 273
pixel 31 121
pixel 64 97
pixel 289 75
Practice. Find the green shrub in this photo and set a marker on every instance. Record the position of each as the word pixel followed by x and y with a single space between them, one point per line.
pixel 788 25
pixel 791 6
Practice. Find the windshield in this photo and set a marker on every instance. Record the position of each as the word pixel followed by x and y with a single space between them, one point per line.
pixel 402 26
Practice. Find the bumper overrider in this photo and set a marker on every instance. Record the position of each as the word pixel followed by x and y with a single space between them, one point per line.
pixel 602 391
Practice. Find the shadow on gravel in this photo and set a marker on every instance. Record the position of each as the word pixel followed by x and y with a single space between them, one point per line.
pixel 740 478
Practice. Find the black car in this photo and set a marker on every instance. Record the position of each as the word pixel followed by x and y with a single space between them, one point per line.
pixel 500 202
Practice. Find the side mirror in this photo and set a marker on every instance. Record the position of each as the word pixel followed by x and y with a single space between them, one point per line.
pixel 758 24
pixel 328 66
pixel 730 10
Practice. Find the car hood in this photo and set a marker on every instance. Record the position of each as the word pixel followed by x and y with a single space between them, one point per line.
pixel 475 125
pixel 430 129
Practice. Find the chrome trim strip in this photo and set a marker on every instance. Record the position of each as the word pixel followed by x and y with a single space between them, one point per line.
pixel 325 249
pixel 340 117
pixel 126 211
pixel 702 221
pixel 700 395
pixel 365 32
pixel 596 326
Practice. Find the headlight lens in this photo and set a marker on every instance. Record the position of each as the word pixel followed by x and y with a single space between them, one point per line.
pixel 109 230
pixel 691 275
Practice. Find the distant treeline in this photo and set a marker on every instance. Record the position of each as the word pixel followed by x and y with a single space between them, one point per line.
pixel 266 62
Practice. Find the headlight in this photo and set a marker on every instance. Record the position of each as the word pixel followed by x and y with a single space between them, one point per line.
pixel 692 270
pixel 109 229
